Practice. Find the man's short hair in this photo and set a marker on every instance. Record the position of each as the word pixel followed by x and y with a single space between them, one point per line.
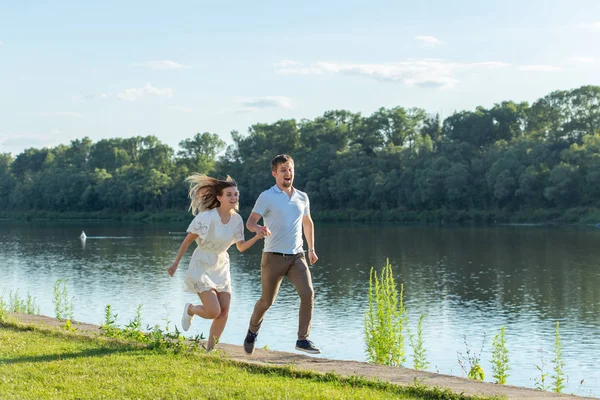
pixel 281 159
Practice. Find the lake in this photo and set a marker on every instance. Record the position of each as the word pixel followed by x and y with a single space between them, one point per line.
pixel 468 282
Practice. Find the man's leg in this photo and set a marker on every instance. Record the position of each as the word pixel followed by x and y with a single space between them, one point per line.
pixel 299 275
pixel 272 270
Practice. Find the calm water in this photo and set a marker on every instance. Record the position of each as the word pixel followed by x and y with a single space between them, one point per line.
pixel 467 281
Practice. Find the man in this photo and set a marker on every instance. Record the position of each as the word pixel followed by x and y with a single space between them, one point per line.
pixel 286 213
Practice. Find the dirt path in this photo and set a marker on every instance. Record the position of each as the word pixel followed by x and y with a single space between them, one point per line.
pixel 400 376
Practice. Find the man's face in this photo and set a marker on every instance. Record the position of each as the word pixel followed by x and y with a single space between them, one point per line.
pixel 284 175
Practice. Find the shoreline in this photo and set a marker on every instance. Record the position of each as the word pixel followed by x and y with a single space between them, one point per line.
pixel 393 375
pixel 589 219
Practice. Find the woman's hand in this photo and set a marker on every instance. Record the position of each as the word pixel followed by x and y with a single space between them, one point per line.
pixel 265 231
pixel 172 269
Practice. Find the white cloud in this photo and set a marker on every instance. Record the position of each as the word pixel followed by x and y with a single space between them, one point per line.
pixel 66 114
pixel 254 104
pixel 71 114
pixel 590 26
pixel 426 73
pixel 540 68
pixel 299 70
pixel 148 90
pixel 267 102
pixel 583 60
pixel 181 109
pixel 16 143
pixel 165 64
pixel 430 40
pixel 130 94
pixel 90 96
pixel 286 63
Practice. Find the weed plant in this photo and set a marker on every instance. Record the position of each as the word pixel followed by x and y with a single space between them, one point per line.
pixel 385 319
pixel 418 346
pixel 63 305
pixel 470 362
pixel 500 359
pixel 558 377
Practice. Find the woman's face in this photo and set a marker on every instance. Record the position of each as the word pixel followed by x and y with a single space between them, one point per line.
pixel 229 197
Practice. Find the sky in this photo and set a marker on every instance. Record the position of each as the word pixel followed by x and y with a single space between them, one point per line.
pixel 71 69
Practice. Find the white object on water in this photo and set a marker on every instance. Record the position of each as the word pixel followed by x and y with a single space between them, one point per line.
pixel 83 235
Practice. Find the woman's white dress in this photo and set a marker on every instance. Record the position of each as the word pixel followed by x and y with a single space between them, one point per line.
pixel 209 266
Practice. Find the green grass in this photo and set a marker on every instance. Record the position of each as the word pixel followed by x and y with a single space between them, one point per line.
pixel 37 363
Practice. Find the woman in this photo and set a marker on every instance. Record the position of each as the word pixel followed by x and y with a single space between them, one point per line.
pixel 215 228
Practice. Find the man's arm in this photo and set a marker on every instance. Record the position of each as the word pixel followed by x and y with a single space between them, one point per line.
pixel 253 226
pixel 309 233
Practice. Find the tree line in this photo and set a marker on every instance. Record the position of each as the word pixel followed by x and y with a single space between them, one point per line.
pixel 541 160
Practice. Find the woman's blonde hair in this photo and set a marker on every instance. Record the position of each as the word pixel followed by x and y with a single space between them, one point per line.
pixel 204 191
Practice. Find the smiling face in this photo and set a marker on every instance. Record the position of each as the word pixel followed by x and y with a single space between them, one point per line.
pixel 284 175
pixel 229 198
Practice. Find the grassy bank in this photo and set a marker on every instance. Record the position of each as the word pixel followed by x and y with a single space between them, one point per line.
pixel 45 364
pixel 580 216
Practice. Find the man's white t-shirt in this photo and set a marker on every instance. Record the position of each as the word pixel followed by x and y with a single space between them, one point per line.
pixel 283 214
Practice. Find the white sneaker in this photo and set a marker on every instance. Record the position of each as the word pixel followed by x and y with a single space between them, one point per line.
pixel 186 319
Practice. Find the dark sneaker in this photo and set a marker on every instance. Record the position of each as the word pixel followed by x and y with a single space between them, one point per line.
pixel 307 346
pixel 249 342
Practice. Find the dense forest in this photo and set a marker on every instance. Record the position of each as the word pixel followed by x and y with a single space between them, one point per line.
pixel 514 161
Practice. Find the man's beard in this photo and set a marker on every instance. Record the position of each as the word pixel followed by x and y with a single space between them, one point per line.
pixel 287 184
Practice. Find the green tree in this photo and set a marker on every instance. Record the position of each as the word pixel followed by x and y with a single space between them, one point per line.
pixel 199 153
pixel 562 189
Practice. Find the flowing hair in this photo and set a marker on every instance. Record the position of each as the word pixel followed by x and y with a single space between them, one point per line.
pixel 204 191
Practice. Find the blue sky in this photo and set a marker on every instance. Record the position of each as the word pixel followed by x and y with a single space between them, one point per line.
pixel 70 69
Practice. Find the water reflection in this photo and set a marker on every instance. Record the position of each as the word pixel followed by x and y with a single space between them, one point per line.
pixel 466 281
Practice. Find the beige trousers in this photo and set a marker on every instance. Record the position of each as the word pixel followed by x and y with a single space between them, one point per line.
pixel 273 268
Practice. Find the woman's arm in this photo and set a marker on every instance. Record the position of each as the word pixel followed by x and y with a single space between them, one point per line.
pixel 244 245
pixel 182 249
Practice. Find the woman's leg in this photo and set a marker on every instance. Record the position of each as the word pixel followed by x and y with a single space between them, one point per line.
pixel 209 309
pixel 218 325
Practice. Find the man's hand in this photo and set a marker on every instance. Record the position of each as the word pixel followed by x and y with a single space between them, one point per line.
pixel 312 256
pixel 265 231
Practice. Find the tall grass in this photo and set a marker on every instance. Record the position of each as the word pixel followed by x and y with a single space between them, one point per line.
pixel 385 319
pixel 154 338
pixel 500 365
pixel 133 329
pixel 23 306
pixel 558 377
pixel 63 305
pixel 3 310
pixel 418 346
pixel 109 327
pixel 470 362
pixel 540 382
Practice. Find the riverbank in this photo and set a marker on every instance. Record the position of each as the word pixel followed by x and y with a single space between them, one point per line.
pixel 271 364
pixel 547 217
